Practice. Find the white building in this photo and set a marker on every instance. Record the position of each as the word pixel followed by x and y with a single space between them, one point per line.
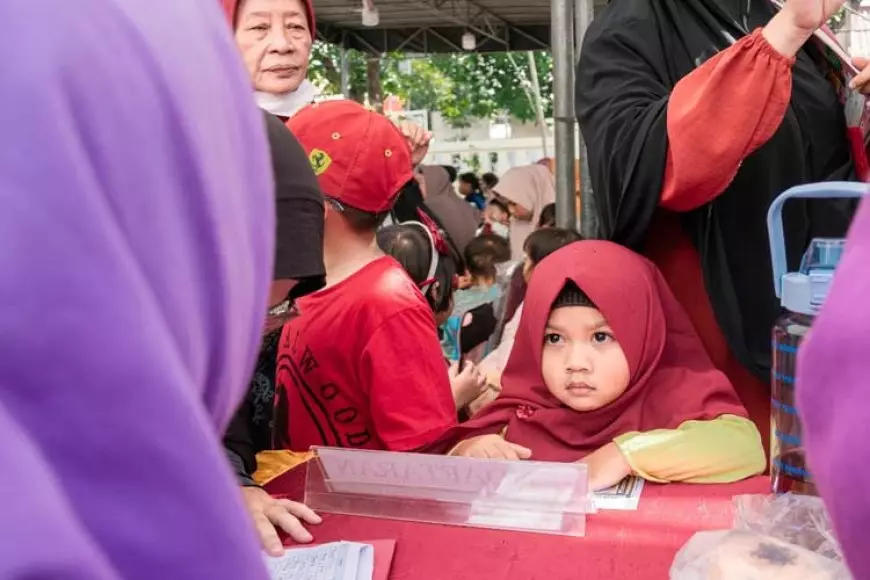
pixel 855 34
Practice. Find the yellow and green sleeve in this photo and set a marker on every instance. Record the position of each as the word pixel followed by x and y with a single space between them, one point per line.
pixel 721 450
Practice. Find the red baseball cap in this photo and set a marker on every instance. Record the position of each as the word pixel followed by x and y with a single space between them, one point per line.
pixel 359 156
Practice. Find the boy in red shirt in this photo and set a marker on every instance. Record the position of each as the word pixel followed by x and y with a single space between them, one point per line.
pixel 361 365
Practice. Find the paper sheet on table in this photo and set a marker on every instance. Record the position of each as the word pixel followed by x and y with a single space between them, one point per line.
pixel 335 561
pixel 552 488
pixel 625 495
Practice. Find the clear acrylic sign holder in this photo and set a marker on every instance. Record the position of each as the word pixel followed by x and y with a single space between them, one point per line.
pixel 531 496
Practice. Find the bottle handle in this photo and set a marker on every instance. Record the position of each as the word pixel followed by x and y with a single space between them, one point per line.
pixel 825 190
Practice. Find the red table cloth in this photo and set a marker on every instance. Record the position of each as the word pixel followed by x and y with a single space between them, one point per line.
pixel 629 545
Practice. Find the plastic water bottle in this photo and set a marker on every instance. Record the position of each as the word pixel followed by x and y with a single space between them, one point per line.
pixel 801 294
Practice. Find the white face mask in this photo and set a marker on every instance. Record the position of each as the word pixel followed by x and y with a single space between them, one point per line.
pixel 288 104
pixel 500 229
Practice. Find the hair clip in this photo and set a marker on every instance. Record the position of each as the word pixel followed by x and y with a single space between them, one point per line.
pixel 426 282
pixel 437 234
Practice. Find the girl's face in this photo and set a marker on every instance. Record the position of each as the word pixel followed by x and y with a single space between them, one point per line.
pixel 465 188
pixel 582 364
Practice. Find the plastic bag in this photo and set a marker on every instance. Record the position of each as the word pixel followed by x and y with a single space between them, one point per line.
pixel 797 519
pixel 747 555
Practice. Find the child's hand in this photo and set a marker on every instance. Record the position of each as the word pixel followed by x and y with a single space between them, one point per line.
pixel 491 447
pixel 270 514
pixel 607 467
pixel 467 385
pixel 489 395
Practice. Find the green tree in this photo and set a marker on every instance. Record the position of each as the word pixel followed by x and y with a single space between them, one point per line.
pixel 838 20
pixel 459 86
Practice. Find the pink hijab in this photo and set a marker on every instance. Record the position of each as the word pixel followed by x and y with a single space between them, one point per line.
pixel 532 187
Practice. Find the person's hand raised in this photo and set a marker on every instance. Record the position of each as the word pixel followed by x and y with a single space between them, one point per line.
pixel 466 385
pixel 861 82
pixel 269 513
pixel 418 139
pixel 796 22
pixel 810 15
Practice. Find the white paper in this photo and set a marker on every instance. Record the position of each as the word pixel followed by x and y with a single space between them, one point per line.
pixel 335 561
pixel 625 495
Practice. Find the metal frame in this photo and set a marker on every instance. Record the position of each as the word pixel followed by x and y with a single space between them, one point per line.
pixel 589 226
pixel 569 20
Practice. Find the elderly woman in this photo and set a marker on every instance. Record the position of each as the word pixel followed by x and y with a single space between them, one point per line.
pixel 274 37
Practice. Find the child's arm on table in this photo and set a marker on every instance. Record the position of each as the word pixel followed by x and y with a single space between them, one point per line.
pixel 607 466
pixel 492 446
pixel 721 450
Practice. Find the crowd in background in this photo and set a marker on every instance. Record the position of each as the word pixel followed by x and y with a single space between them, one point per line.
pixel 197 254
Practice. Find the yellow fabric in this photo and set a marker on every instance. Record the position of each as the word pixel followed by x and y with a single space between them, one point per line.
pixel 722 450
pixel 271 464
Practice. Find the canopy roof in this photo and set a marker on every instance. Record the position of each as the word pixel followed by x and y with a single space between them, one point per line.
pixel 430 26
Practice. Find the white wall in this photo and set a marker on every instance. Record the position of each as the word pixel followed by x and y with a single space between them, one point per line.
pixel 479 129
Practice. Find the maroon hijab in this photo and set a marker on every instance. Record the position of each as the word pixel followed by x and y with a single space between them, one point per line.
pixel 672 378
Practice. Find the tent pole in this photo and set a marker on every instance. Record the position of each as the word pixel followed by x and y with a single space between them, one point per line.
pixel 589 226
pixel 345 67
pixel 562 27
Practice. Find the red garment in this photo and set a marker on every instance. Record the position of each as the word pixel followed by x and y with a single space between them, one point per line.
pixel 360 158
pixel 759 89
pixel 231 9
pixel 619 544
pixel 362 367
pixel 672 378
pixel 758 81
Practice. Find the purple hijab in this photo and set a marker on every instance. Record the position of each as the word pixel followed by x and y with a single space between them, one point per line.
pixel 834 397
pixel 136 216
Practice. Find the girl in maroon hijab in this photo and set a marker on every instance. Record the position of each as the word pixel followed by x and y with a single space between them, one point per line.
pixel 608 370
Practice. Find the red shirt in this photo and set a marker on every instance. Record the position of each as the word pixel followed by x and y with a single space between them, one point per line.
pixel 362 367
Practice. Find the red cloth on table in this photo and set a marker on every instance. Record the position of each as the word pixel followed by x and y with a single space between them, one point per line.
pixel 748 85
pixel 629 545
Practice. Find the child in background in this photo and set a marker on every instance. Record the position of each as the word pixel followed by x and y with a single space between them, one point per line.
pixel 496 218
pixel 608 370
pixel 548 216
pixel 469 187
pixel 487 182
pixel 361 365
pixel 538 246
pixel 415 246
pixel 483 255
